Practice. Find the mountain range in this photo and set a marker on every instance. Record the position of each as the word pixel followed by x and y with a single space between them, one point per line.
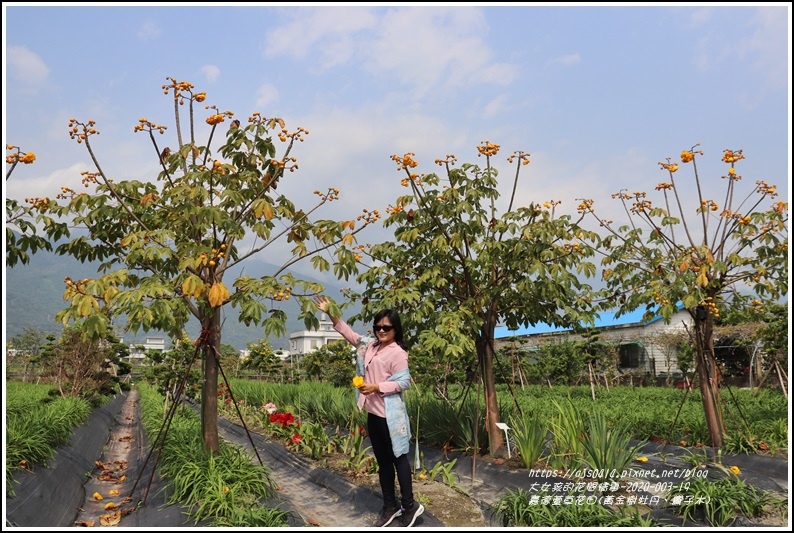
pixel 34 294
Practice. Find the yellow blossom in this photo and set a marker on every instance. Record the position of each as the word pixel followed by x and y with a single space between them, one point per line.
pixel 735 470
pixel 642 459
pixel 358 381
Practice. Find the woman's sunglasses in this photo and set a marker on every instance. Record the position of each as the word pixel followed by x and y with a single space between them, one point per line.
pixel 385 329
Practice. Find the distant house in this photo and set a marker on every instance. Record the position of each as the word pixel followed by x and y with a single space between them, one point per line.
pixel 644 347
pixel 138 350
pixel 306 341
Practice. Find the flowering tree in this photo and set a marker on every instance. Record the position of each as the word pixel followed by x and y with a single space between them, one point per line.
pixel 165 245
pixel 660 259
pixel 21 236
pixel 457 267
pixel 264 361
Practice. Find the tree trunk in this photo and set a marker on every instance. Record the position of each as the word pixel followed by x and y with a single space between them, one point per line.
pixel 709 378
pixel 486 354
pixel 211 339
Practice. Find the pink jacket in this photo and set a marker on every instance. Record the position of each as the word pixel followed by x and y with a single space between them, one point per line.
pixel 380 363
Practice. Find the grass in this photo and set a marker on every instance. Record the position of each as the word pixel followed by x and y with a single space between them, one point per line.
pixel 226 489
pixel 529 434
pixel 37 422
pixel 721 502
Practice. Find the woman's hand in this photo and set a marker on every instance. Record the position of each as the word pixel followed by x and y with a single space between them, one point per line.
pixel 322 303
pixel 369 388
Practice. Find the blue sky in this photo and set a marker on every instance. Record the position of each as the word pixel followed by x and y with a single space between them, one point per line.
pixel 597 94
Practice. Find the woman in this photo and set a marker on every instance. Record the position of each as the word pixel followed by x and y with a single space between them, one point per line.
pixel 384 365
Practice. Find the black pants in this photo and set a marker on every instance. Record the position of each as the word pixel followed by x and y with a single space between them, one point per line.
pixel 388 464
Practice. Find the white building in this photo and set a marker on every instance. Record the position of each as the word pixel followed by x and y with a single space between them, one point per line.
pixel 643 345
pixel 138 350
pixel 306 341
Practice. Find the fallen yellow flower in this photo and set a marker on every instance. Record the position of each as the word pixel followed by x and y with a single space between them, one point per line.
pixel 642 459
pixel 110 505
pixel 735 470
pixel 110 519
pixel 97 496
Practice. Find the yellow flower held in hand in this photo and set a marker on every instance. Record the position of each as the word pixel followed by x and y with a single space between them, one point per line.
pixel 358 381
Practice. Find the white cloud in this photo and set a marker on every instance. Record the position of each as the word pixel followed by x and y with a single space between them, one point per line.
pixel 765 49
pixel 29 185
pixel 148 31
pixel 768 47
pixel 698 17
pixel 422 47
pixel 569 60
pixel 211 72
pixel 26 67
pixel 432 47
pixel 265 95
pixel 329 29
pixel 494 107
pixel 568 181
pixel 350 149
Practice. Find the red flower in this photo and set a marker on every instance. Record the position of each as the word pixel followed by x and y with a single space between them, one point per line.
pixel 296 438
pixel 284 419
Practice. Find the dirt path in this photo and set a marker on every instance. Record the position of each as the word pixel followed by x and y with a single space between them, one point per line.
pixel 107 491
pixel 125 481
pixel 321 497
